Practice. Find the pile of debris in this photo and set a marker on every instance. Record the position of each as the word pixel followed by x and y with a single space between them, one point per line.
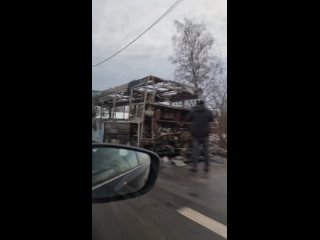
pixel 214 139
pixel 177 161
pixel 216 150
pixel 215 147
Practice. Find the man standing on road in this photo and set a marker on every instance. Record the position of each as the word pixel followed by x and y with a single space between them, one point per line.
pixel 200 118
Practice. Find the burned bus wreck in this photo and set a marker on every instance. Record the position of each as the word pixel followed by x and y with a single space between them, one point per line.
pixel 149 113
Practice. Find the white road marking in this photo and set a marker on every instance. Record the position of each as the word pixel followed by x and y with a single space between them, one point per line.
pixel 204 221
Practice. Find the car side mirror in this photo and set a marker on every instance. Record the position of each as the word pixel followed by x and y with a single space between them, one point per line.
pixel 121 172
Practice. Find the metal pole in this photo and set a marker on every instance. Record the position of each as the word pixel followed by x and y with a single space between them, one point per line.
pixel 144 107
pixel 153 109
pixel 114 106
pixel 138 134
pixel 130 102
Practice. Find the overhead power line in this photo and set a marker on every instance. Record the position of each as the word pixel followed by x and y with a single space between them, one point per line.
pixel 152 25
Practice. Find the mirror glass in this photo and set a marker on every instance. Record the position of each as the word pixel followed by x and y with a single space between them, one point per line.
pixel 117 171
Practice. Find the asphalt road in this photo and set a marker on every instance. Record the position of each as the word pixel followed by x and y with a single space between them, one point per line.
pixel 156 215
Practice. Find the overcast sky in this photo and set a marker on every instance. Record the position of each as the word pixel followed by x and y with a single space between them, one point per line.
pixel 116 23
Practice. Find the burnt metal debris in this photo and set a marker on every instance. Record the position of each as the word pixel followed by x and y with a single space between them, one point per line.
pixel 148 112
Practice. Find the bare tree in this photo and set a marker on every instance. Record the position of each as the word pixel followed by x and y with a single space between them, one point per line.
pixel 193 53
pixel 198 64
pixel 216 98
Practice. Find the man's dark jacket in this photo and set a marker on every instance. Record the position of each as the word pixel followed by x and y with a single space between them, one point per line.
pixel 200 117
